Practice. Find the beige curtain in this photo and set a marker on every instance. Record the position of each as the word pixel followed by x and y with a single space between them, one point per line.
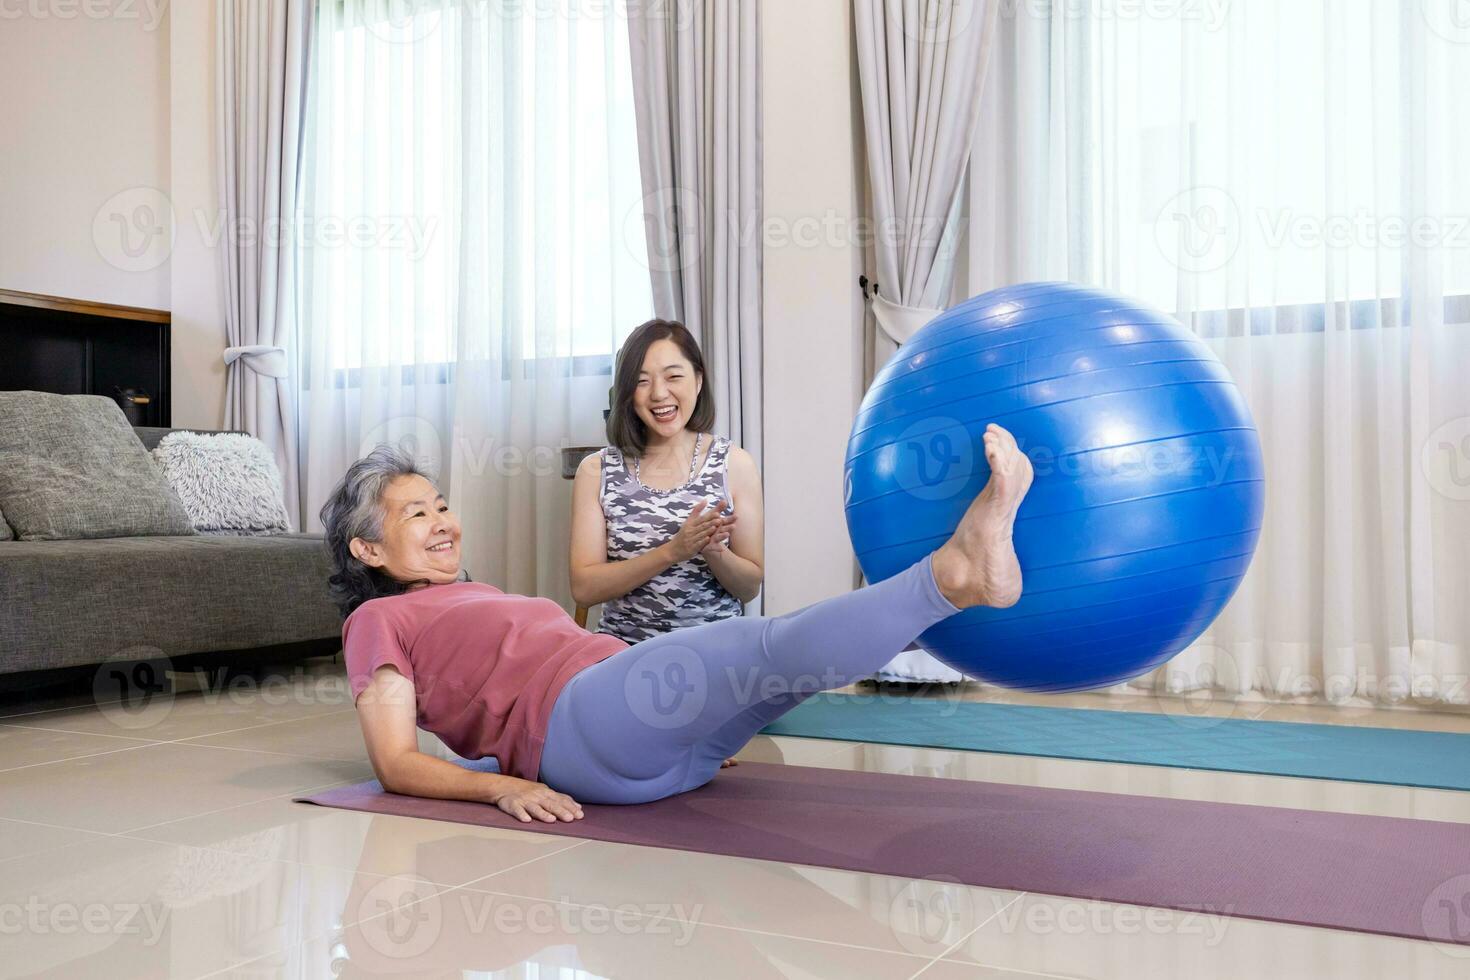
pixel 262 53
pixel 696 84
pixel 922 64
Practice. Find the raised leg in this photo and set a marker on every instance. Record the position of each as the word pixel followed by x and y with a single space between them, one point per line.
pixel 657 718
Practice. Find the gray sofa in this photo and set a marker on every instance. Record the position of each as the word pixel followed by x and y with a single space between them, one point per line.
pixel 200 599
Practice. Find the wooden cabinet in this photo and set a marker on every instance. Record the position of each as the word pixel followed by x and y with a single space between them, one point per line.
pixel 73 347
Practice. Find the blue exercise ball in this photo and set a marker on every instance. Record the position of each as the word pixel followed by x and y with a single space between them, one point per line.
pixel 1148 496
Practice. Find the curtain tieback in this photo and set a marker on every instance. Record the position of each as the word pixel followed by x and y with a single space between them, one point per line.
pixel 260 358
pixel 901 322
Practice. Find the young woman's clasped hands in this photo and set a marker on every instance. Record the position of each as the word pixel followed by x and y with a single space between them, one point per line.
pixel 706 531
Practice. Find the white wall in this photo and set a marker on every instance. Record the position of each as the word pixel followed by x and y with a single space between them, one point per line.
pixel 84 117
pixel 812 308
pixel 107 168
pixel 195 288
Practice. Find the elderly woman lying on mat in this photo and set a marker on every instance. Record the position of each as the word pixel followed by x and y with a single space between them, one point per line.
pixel 572 716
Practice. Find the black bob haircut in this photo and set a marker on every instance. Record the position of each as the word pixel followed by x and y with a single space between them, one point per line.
pixel 625 429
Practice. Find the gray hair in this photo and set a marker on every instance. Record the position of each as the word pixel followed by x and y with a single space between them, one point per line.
pixel 354 509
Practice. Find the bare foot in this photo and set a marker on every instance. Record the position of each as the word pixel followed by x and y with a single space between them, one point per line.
pixel 977 566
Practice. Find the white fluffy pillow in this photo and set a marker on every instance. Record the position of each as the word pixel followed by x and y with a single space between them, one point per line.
pixel 228 483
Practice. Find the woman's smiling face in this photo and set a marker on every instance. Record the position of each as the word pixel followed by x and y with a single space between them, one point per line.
pixel 668 389
pixel 420 535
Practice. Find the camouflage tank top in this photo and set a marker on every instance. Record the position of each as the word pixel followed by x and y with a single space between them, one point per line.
pixel 640 519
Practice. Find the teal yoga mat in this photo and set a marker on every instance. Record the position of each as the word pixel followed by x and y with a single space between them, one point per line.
pixel 1399 757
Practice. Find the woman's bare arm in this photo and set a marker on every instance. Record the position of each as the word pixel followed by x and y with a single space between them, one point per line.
pixel 387 713
pixel 740 564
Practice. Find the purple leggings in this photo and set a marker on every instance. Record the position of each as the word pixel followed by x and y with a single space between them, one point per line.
pixel 659 717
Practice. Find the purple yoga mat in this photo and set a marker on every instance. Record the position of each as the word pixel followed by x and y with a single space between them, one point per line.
pixel 1384 875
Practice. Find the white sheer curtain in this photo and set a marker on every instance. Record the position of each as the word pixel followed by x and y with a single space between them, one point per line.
pixel 922 67
pixel 1289 178
pixel 474 255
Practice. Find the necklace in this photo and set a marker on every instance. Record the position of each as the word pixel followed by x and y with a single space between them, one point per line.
pixel 693 460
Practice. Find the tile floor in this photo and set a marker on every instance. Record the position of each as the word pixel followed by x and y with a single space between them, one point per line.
pixel 161 842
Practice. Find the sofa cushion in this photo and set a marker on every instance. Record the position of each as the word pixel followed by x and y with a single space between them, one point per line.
pixel 71 467
pixel 228 483
pixel 82 602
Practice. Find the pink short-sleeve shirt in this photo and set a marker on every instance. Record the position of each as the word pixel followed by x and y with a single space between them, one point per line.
pixel 486 666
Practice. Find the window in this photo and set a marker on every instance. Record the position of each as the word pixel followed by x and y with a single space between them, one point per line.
pixel 464 150
pixel 1272 155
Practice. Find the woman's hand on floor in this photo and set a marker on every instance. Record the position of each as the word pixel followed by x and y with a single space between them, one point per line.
pixel 528 801
pixel 729 762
